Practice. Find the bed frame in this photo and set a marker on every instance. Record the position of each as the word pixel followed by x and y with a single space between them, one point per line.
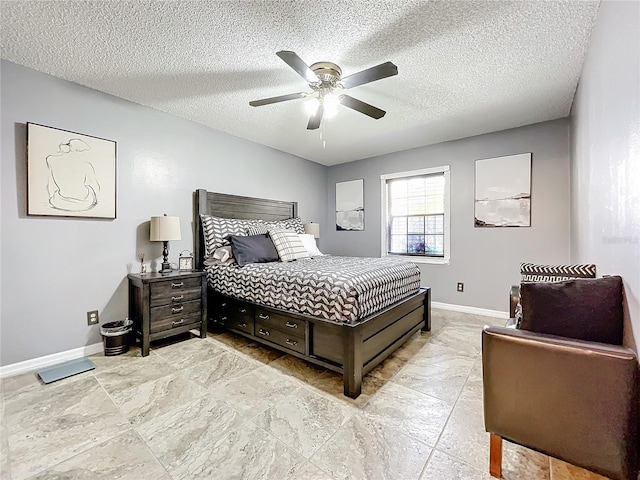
pixel 350 349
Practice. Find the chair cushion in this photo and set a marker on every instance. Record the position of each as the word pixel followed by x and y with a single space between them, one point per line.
pixel 585 309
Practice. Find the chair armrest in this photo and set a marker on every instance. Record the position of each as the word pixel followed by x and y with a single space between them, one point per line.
pixel 573 399
pixel 514 298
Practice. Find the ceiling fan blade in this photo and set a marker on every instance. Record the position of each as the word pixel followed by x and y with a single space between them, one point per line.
pixel 362 107
pixel 369 75
pixel 294 61
pixel 314 121
pixel 281 98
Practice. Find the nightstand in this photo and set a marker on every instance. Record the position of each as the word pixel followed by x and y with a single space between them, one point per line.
pixel 163 305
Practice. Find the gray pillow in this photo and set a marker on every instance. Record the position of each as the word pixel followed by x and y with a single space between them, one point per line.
pixel 253 249
pixel 584 309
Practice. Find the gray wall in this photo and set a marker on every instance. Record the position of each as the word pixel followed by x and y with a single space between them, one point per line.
pixel 487 260
pixel 605 227
pixel 53 269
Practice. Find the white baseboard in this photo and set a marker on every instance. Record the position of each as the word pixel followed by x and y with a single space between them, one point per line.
pixel 48 360
pixel 474 310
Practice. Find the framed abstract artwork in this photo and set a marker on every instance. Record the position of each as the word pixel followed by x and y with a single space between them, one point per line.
pixel 503 191
pixel 70 174
pixel 350 205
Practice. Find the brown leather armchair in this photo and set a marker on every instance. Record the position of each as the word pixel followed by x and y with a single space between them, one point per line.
pixel 550 387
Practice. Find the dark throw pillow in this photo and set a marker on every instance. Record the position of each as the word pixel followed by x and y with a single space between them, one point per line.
pixel 585 309
pixel 253 249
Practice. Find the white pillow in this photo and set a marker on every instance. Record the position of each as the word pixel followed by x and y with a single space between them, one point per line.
pixel 309 243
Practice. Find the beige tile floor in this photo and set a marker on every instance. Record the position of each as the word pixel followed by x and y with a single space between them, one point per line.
pixel 224 408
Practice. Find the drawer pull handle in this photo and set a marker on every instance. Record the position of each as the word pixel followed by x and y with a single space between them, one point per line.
pixel 177 299
pixel 223 305
pixel 243 310
pixel 242 325
pixel 177 285
pixel 293 343
pixel 177 310
pixel 179 322
pixel 291 325
pixel 263 316
pixel 223 319
pixel 264 332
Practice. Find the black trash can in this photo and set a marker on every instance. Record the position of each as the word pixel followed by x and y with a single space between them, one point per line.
pixel 116 337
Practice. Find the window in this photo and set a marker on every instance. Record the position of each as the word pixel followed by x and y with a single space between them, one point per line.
pixel 416 214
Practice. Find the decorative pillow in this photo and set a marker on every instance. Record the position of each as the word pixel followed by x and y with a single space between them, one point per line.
pixel 258 229
pixel 556 273
pixel 222 255
pixel 288 245
pixel 253 249
pixel 530 272
pixel 262 226
pixel 585 309
pixel 309 243
pixel 216 231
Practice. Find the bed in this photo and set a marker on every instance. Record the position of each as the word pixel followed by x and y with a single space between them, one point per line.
pixel 349 335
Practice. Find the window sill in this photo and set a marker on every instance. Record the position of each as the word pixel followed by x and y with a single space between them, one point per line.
pixel 418 259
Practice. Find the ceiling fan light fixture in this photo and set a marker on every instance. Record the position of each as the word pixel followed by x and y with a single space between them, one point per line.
pixel 330 102
pixel 311 105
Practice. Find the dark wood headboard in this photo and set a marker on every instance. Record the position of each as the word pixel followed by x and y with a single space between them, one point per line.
pixel 234 206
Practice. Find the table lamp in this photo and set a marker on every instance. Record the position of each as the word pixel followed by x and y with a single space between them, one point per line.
pixel 163 229
pixel 312 229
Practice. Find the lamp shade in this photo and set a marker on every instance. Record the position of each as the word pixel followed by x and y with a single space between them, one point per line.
pixel 163 229
pixel 312 229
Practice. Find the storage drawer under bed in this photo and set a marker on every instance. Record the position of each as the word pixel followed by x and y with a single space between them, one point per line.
pixel 293 342
pixel 273 320
pixel 232 314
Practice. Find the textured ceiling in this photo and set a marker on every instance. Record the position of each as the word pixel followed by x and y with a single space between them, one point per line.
pixel 465 67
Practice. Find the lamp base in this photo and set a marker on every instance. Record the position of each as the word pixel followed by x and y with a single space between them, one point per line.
pixel 166 266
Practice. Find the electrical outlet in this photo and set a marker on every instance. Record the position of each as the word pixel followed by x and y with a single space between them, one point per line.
pixel 92 317
pixel 460 287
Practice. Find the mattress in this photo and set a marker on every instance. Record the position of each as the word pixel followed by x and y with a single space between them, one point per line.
pixel 342 289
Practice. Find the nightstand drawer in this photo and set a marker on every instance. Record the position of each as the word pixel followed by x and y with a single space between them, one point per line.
pixel 287 325
pixel 178 290
pixel 292 342
pixel 174 311
pixel 168 323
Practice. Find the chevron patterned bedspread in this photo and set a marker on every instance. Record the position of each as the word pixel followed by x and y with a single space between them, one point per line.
pixel 343 289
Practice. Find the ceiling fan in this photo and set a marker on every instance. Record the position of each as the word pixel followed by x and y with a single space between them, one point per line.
pixel 325 78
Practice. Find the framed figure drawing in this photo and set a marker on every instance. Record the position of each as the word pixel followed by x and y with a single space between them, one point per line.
pixel 70 174
pixel 503 191
pixel 350 205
